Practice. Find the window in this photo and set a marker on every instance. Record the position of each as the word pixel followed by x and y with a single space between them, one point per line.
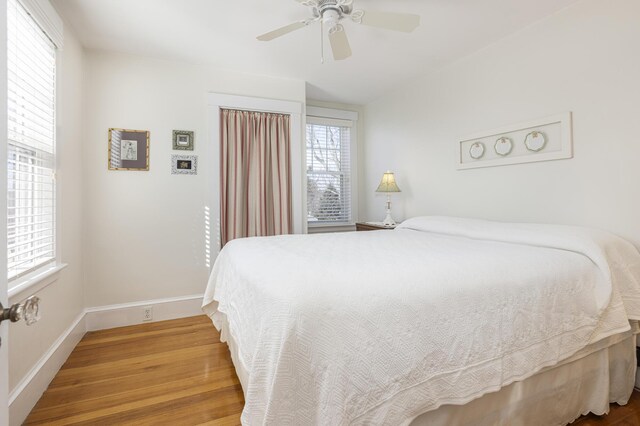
pixel 330 181
pixel 31 200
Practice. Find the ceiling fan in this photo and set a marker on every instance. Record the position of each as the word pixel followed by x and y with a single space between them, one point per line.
pixel 330 12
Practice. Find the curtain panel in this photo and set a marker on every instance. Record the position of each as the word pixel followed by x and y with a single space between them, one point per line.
pixel 255 193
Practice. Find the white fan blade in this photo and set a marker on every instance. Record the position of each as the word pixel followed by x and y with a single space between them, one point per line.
pixel 282 31
pixel 339 43
pixel 404 22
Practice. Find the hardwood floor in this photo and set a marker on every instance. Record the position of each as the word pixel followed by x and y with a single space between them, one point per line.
pixel 171 372
pixel 625 415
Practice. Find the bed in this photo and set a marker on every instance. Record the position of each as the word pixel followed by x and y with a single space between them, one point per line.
pixel 441 321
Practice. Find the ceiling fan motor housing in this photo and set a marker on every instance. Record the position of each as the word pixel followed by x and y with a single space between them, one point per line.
pixel 333 11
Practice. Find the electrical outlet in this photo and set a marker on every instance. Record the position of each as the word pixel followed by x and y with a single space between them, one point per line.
pixel 147 313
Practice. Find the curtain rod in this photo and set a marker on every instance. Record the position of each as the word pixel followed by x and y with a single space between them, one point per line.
pixel 254 110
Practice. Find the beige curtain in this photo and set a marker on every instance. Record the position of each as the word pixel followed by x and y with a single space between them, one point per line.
pixel 255 193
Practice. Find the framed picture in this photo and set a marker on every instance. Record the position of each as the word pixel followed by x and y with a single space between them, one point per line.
pixel 183 140
pixel 128 149
pixel 184 164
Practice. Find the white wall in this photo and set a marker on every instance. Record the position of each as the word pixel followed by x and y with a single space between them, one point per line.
pixel 584 59
pixel 62 301
pixel 145 235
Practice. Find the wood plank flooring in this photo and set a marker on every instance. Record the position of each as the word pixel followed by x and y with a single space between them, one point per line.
pixel 171 372
pixel 625 415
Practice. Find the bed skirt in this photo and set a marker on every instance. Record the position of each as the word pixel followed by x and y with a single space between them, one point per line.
pixel 557 395
pixel 600 374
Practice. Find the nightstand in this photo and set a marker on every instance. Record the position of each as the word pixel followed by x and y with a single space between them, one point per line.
pixel 371 226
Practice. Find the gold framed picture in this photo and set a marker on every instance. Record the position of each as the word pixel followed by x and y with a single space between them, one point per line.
pixel 128 149
pixel 183 140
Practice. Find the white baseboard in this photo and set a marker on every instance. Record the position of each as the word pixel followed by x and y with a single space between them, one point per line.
pixel 103 317
pixel 26 394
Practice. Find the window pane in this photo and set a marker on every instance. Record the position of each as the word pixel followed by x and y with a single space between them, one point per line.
pixel 328 174
pixel 31 76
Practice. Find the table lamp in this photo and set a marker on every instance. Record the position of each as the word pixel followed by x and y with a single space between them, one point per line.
pixel 387 186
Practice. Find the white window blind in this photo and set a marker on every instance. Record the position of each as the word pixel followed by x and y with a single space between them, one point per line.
pixel 328 171
pixel 31 61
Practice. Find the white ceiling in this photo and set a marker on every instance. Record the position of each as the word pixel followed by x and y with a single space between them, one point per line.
pixel 223 33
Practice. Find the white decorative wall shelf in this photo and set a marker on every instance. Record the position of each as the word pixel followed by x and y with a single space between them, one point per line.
pixel 548 138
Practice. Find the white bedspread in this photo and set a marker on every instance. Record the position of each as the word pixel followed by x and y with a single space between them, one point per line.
pixel 380 327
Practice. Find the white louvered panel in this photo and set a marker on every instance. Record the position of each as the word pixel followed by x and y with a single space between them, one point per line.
pixel 31 202
pixel 18 233
pixel 328 173
pixel 16 228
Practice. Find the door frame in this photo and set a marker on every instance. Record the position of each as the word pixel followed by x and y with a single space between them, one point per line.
pixel 216 101
pixel 4 293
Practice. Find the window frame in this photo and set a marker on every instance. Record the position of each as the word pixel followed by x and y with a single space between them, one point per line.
pixel 50 23
pixel 342 118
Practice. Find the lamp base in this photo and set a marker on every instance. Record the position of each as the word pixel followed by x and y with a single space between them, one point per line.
pixel 388 221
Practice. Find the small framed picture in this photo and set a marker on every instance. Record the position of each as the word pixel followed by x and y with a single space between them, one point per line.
pixel 128 149
pixel 183 140
pixel 184 164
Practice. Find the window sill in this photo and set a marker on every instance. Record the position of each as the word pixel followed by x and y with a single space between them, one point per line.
pixel 330 227
pixel 318 224
pixel 35 282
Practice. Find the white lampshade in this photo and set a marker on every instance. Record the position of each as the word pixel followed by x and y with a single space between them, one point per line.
pixel 388 183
